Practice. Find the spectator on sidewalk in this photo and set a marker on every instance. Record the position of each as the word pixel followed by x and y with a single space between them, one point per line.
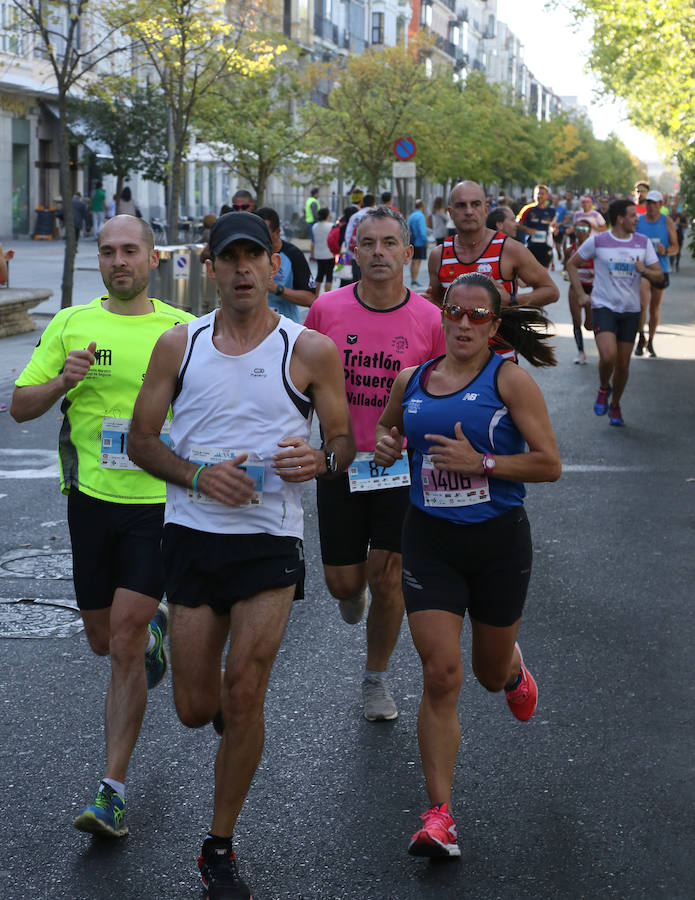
pixel 126 203
pixel 79 213
pixel 98 208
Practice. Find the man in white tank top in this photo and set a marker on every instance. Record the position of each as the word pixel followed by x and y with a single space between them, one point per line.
pixel 242 382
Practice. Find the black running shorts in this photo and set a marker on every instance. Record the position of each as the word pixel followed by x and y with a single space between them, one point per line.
pixel 542 252
pixel 352 524
pixel 483 568
pixel 205 568
pixel 114 545
pixel 623 325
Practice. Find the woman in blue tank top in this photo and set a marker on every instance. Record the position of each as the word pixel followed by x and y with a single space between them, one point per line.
pixel 468 417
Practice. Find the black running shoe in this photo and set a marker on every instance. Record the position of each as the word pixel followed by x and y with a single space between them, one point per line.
pixel 219 873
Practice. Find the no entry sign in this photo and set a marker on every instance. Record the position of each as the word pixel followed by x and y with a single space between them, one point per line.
pixel 404 148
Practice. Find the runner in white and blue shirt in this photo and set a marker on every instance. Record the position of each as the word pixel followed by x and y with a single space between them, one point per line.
pixel 621 259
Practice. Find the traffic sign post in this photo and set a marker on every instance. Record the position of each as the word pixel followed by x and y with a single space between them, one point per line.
pixel 404 148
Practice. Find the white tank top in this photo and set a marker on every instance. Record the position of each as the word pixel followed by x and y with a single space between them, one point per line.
pixel 241 403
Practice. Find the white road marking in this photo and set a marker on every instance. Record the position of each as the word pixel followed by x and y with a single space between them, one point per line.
pixel 49 469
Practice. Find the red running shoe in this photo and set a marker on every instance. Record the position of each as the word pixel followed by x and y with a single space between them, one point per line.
pixel 523 698
pixel 601 403
pixel 438 837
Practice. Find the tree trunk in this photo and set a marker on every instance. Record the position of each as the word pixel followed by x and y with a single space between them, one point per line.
pixel 175 199
pixel 119 190
pixel 68 216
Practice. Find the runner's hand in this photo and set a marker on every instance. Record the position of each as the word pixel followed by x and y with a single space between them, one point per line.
pixel 77 364
pixel 298 462
pixel 584 299
pixel 454 455
pixel 227 481
pixel 389 448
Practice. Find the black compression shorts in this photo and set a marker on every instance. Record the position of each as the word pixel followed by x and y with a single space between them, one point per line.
pixel 483 568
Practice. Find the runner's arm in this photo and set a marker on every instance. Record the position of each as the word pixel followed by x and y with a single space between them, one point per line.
pixel 572 269
pixel 672 248
pixel 532 273
pixel 653 272
pixel 389 429
pixel 315 369
pixel 526 405
pixel 29 401
pixel 435 292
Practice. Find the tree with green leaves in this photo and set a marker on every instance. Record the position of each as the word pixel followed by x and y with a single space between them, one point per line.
pixel 190 45
pixel 644 52
pixel 131 120
pixel 379 96
pixel 248 115
pixel 60 28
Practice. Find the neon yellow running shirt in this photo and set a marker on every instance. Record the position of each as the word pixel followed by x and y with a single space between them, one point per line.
pixel 92 462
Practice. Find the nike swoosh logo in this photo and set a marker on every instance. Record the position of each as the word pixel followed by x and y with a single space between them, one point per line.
pixel 290 571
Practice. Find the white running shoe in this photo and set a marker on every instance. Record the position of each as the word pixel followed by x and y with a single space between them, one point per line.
pixel 580 358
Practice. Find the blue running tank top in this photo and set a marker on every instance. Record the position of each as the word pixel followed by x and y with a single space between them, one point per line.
pixel 657 232
pixel 487 424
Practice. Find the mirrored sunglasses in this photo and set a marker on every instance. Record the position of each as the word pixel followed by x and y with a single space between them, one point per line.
pixel 240 207
pixel 476 315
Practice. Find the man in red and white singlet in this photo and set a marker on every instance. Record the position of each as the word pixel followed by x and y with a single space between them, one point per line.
pixel 475 248
pixel 380 327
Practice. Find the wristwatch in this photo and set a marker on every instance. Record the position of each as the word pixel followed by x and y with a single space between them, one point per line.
pixel 280 290
pixel 489 464
pixel 331 462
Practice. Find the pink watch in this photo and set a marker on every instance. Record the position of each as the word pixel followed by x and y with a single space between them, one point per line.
pixel 489 464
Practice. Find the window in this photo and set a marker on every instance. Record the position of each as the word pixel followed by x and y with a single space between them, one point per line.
pixel 426 15
pixel 11 37
pixel 377 28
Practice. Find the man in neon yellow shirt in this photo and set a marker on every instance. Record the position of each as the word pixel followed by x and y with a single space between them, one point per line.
pixel 94 357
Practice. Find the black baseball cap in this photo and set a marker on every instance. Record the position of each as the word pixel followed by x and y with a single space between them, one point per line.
pixel 239 226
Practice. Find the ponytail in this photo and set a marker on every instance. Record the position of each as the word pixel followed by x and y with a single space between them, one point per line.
pixel 526 329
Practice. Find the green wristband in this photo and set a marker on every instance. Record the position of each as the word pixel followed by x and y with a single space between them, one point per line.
pixel 195 477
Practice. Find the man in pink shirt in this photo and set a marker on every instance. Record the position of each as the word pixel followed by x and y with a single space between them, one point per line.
pixel 379 327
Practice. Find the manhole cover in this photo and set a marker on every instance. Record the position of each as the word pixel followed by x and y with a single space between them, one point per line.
pixel 36 564
pixel 24 618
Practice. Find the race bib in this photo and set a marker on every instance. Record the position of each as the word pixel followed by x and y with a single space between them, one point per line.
pixel 365 475
pixel 621 267
pixel 114 442
pixel 253 467
pixel 441 488
pixel 539 237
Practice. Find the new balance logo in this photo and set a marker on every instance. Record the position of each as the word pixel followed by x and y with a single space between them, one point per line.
pixel 470 396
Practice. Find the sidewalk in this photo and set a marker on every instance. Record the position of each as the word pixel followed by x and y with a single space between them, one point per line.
pixel 39 264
